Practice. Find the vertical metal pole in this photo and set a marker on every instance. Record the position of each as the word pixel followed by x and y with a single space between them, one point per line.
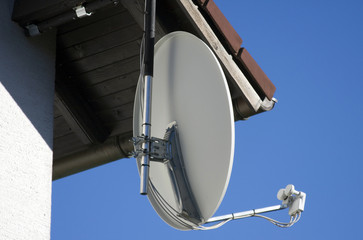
pixel 149 28
pixel 146 130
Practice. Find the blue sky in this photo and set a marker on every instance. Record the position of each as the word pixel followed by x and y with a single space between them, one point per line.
pixel 313 52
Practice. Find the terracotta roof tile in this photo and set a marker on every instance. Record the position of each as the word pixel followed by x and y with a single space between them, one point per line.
pixel 232 38
pixel 256 73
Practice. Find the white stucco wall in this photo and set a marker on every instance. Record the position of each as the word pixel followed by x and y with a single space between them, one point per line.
pixel 26 130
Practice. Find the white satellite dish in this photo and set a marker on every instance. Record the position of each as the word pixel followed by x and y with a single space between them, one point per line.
pixel 185 159
pixel 190 94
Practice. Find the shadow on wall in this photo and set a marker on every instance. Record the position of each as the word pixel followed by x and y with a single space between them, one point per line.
pixel 27 71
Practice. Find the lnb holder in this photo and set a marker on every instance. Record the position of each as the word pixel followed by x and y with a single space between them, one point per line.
pixel 294 200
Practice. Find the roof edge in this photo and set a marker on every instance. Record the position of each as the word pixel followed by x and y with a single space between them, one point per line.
pixel 232 38
pixel 233 41
pixel 257 75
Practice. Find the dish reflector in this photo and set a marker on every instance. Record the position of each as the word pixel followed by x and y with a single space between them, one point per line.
pixel 189 88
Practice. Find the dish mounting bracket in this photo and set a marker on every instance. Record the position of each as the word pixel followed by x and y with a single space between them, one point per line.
pixel 168 151
pixel 160 149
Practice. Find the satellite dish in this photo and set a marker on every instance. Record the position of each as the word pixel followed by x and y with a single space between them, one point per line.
pixel 190 98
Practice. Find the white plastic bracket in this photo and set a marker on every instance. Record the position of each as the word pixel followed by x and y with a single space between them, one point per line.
pixel 81 11
pixel 295 200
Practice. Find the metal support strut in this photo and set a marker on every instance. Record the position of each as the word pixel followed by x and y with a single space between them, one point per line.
pixel 149 28
pixel 249 213
pixel 292 199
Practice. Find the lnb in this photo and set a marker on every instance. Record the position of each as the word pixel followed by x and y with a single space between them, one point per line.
pixel 295 200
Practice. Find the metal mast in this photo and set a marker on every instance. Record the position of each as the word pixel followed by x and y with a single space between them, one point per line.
pixel 149 39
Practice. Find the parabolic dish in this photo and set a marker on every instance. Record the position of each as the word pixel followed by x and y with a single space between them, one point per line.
pixel 189 87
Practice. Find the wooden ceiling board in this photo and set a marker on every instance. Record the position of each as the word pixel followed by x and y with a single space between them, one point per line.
pixel 66 145
pixel 105 42
pixel 112 86
pixel 102 59
pixel 121 128
pixel 96 29
pixel 112 71
pixel 61 127
pixel 113 100
pixel 117 114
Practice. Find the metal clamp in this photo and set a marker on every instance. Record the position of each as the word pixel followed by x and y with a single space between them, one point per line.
pixel 160 150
